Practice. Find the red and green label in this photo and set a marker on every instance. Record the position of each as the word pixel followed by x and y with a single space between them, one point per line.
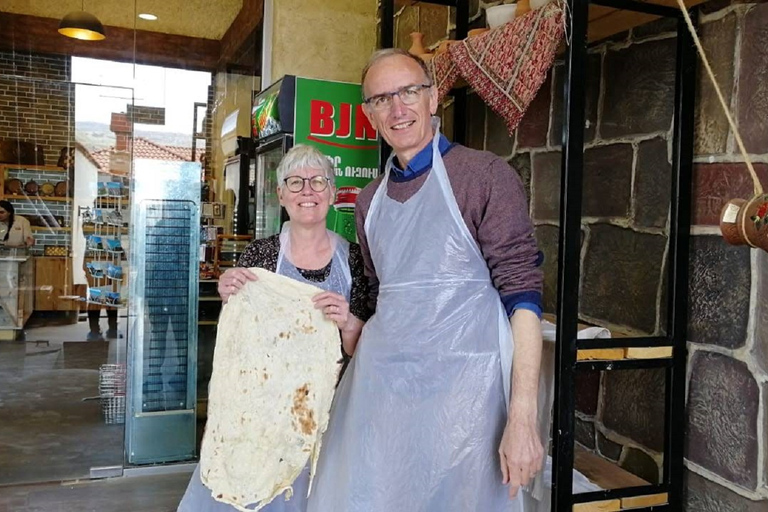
pixel 329 116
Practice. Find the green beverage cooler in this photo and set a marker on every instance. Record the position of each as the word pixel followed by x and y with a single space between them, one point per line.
pixel 324 114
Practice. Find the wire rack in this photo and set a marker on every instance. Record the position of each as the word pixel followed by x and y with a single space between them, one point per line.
pixel 168 250
pixel 112 393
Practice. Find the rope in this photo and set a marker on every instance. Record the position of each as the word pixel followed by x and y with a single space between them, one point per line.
pixel 736 135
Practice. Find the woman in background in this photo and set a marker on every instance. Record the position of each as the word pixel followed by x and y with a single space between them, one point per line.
pixel 15 230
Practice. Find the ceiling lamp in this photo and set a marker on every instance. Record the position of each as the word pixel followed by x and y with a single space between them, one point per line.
pixel 82 25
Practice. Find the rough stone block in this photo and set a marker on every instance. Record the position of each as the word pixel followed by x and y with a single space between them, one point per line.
pixel 547 239
pixel 475 122
pixel 546 185
pixel 655 28
pixel 639 89
pixel 723 400
pixel 702 495
pixel 521 162
pixel 592 86
pixel 407 22
pixel 433 22
pixel 608 448
pixel 753 77
pixel 714 184
pixel 446 123
pixel 641 464
pixel 652 184
pixel 474 6
pixel 585 433
pixel 719 40
pixel 534 127
pixel 498 140
pixel 587 392
pixel 633 405
pixel 621 276
pixel 720 279
pixel 607 181
pixel 760 349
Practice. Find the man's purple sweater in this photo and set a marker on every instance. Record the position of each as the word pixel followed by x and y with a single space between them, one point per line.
pixel 492 201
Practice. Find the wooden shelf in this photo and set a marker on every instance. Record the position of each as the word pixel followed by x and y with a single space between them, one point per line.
pixel 44 228
pixel 107 227
pixel 106 201
pixel 609 475
pixel 40 198
pixel 604 473
pixel 44 168
pixel 605 22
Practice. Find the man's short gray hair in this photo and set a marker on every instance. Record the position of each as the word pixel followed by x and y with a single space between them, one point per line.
pixel 392 52
pixel 301 156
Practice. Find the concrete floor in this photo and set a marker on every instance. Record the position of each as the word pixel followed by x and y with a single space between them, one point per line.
pixel 157 493
pixel 52 427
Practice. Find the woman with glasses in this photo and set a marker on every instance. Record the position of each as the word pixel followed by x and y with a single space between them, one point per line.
pixel 307 252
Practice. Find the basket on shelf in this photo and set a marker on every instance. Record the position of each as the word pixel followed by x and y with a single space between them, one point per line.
pixel 112 393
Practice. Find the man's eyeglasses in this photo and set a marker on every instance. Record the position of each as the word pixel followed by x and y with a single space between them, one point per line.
pixel 296 183
pixel 408 95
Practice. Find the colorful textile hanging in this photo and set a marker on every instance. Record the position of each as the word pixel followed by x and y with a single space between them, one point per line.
pixel 506 65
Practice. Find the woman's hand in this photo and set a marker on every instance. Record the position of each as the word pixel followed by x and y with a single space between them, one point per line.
pixel 336 308
pixel 233 280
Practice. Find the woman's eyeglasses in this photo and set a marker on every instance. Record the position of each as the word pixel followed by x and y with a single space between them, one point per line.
pixel 296 183
pixel 408 95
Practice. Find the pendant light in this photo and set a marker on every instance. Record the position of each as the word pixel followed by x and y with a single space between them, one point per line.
pixel 82 25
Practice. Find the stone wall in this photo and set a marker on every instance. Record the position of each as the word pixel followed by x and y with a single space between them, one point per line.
pixel 629 110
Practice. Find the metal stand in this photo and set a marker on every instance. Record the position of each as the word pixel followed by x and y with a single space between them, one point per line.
pixel 567 365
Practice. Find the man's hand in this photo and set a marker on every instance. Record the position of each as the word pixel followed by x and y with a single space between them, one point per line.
pixel 520 452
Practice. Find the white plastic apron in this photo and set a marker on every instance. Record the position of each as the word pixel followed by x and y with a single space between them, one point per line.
pixel 197 497
pixel 340 279
pixel 418 417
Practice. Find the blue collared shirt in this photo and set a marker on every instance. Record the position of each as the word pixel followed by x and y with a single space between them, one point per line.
pixel 421 163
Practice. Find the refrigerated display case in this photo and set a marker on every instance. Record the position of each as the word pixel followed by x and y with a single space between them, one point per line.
pixel 268 214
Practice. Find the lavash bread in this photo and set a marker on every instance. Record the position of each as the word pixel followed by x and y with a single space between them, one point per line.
pixel 275 368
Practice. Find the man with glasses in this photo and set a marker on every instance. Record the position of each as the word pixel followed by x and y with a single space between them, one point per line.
pixel 434 413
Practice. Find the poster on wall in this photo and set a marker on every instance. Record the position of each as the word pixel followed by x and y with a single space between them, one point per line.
pixel 330 117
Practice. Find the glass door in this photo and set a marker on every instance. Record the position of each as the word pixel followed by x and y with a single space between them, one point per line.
pixel 269 214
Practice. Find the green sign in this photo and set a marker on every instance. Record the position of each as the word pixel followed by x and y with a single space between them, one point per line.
pixel 330 117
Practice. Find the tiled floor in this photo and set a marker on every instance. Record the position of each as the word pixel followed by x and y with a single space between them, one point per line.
pixel 157 493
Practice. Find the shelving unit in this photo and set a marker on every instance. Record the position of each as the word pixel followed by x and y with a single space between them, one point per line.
pixel 103 226
pixel 48 210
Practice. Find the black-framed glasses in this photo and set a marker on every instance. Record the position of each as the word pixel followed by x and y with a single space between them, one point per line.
pixel 296 183
pixel 408 95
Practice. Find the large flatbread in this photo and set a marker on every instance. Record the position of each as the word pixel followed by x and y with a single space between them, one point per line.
pixel 275 369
